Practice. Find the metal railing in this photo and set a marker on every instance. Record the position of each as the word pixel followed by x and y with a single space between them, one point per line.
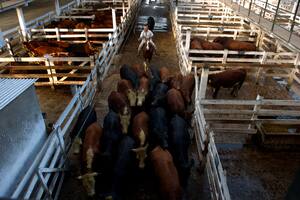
pixel 46 173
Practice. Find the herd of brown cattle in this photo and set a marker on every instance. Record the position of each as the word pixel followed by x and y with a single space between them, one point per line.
pixel 221 43
pixel 147 117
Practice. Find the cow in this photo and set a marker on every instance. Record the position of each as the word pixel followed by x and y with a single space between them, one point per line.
pixel 119 104
pixel 86 117
pixel 127 73
pixel 154 77
pixel 175 102
pixel 125 87
pixel 164 74
pixel 139 70
pixel 67 23
pixel 148 50
pixel 159 127
pixel 123 168
pixel 82 50
pixel 140 134
pixel 142 91
pixel 166 173
pixel 44 50
pixel 235 45
pixel 81 25
pixel 175 81
pixel 179 140
pixel 187 87
pixel 158 95
pixel 201 44
pixel 233 78
pixel 91 148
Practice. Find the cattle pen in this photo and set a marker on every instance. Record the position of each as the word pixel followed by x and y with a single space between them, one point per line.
pixel 248 145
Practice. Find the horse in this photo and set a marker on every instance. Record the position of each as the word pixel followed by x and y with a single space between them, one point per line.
pixel 148 50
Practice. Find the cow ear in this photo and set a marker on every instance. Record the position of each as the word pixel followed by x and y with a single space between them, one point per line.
pixel 79 177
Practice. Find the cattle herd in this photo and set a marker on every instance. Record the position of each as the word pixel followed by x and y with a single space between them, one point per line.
pixel 145 130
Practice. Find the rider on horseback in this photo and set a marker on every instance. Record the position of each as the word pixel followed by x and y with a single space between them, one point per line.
pixel 146 34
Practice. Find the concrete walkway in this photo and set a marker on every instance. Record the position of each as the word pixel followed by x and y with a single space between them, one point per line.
pixel 9 19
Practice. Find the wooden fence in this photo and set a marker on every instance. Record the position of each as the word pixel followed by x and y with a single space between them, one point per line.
pixel 45 177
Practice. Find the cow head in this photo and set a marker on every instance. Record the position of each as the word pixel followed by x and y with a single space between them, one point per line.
pixel 125 119
pixel 88 182
pixel 131 95
pixel 141 96
pixel 141 155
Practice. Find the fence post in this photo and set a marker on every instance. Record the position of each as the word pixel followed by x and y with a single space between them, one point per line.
pixel 57 8
pixel 22 23
pixel 48 63
pixel 187 40
pixel 57 34
pixel 114 19
pixel 9 47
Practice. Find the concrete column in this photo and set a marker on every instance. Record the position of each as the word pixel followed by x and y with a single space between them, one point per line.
pixel 57 8
pixel 22 23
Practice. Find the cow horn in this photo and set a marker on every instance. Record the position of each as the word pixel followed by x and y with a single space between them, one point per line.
pixel 79 177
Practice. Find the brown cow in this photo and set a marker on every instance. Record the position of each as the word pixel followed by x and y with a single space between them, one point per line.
pixel 119 104
pixel 140 134
pixel 233 78
pixel 235 45
pixel 67 23
pixel 164 74
pixel 91 147
pixel 139 70
pixel 166 174
pixel 142 91
pixel 175 81
pixel 125 87
pixel 43 50
pixel 198 43
pixel 175 101
pixel 81 25
pixel 187 87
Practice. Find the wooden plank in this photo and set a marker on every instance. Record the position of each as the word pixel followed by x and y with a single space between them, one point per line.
pixel 264 102
pixel 250 65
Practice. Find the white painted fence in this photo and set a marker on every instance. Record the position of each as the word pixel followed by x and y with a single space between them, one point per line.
pixel 46 174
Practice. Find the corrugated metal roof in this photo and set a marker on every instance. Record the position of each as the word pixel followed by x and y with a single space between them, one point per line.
pixel 12 88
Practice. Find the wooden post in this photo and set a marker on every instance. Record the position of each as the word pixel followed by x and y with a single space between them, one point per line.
pixel 225 55
pixel 86 33
pixel 57 8
pixel 78 2
pixel 187 40
pixel 22 23
pixel 113 13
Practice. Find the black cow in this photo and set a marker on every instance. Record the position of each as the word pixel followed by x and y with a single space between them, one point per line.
pixel 112 133
pixel 127 73
pixel 123 169
pixel 155 78
pixel 179 140
pixel 158 96
pixel 158 127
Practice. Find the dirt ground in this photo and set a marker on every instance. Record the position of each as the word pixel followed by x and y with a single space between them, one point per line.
pixel 53 102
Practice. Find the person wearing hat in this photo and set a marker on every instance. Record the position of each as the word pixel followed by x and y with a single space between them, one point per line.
pixel 146 34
